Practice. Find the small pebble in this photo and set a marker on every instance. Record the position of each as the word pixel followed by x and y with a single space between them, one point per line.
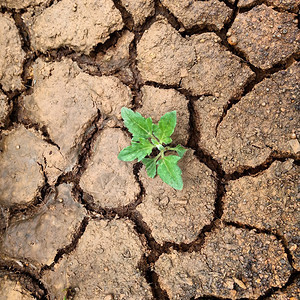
pixel 232 40
pixel 18 146
pixel 293 136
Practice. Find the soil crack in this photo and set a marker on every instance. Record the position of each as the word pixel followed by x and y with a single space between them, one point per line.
pixel 28 280
pixel 253 171
pixel 260 75
pixel 126 16
pixel 69 248
pixel 275 233
pixel 292 279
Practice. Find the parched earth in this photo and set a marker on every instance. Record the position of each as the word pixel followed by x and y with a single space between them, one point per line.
pixel 77 223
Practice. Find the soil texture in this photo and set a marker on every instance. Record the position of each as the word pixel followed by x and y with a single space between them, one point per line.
pixel 76 222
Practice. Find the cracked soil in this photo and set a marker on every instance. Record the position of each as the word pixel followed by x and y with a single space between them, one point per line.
pixel 77 223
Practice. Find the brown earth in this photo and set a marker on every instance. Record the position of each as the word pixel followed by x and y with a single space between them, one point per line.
pixel 77 223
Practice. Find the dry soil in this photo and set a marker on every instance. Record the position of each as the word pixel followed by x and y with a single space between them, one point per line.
pixel 77 223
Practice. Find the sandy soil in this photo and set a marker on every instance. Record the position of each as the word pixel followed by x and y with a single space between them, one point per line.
pixel 77 223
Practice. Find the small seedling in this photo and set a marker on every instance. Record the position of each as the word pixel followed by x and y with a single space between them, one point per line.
pixel 147 136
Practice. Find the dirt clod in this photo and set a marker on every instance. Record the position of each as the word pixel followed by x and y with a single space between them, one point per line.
pixel 212 14
pixel 265 36
pixel 110 181
pixel 139 9
pixel 179 216
pixel 268 201
pixel 216 71
pixel 234 263
pixel 11 55
pixel 38 238
pixel 78 29
pixel 109 252
pixel 163 54
pixel 25 155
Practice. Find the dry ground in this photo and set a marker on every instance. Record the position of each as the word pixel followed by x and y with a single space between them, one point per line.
pixel 77 223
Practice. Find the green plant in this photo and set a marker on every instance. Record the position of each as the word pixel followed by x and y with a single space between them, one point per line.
pixel 146 137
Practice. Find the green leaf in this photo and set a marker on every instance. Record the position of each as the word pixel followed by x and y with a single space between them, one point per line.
pixel 165 128
pixel 154 142
pixel 136 139
pixel 136 123
pixel 150 164
pixel 180 150
pixel 169 171
pixel 136 150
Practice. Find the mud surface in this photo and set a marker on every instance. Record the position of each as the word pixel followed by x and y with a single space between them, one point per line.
pixel 77 223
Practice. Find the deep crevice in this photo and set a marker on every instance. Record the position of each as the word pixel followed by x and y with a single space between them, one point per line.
pixel 13 116
pixel 42 130
pixel 162 85
pixel 157 250
pixel 126 16
pixel 137 78
pixel 103 47
pixel 27 280
pixel 136 170
pixel 148 261
pixel 22 28
pixel 172 19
